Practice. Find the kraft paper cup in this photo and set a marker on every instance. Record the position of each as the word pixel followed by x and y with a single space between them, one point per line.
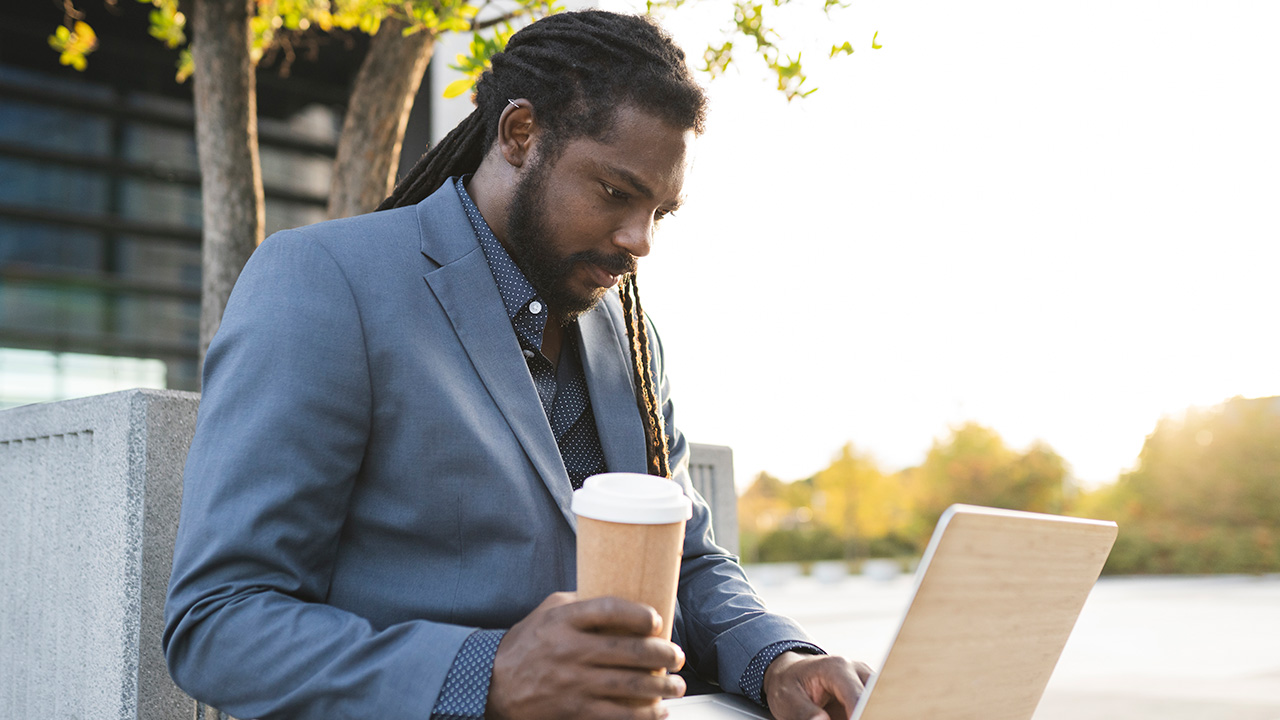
pixel 630 536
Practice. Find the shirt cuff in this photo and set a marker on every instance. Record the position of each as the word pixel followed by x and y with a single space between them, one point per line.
pixel 466 688
pixel 752 681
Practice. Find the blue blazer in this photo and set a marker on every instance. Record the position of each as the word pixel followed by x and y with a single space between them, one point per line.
pixel 373 478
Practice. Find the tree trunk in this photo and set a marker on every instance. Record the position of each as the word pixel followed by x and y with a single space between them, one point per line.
pixel 373 130
pixel 227 142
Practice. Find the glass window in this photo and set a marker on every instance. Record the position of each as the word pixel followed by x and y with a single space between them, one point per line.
pixel 283 215
pixel 46 309
pixel 53 128
pixel 292 170
pixel 166 147
pixel 314 122
pixel 160 202
pixel 52 187
pixel 31 376
pixel 49 246
pixel 140 317
pixel 159 260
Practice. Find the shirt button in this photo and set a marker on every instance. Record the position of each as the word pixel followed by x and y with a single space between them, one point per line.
pixel 535 307
pixel 528 353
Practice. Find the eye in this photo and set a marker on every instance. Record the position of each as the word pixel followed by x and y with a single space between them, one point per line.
pixel 614 192
pixel 661 213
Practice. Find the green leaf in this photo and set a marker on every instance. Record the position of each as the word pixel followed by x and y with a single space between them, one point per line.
pixel 716 59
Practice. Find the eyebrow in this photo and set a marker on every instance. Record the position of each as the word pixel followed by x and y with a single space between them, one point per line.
pixel 637 184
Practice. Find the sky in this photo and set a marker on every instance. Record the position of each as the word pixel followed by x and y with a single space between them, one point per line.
pixel 1060 220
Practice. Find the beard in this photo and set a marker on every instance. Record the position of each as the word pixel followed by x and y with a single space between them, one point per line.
pixel 530 246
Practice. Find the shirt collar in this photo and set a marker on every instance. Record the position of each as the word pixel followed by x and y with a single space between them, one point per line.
pixel 519 297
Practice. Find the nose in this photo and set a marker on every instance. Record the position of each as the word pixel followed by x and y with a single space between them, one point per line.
pixel 636 235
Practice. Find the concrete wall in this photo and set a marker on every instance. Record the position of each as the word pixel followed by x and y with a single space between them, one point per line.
pixel 89 497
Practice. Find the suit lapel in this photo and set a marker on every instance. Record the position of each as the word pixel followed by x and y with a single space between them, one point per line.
pixel 465 288
pixel 607 365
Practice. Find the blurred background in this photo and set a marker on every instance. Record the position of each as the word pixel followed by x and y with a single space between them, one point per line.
pixel 1012 254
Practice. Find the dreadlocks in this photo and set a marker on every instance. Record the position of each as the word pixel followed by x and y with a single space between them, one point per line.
pixel 576 69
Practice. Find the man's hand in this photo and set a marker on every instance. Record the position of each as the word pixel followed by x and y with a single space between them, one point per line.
pixel 594 659
pixel 813 687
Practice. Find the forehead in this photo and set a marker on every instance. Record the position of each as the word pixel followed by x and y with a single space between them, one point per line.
pixel 640 147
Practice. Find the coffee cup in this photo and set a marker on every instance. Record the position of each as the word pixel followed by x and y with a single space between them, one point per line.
pixel 630 539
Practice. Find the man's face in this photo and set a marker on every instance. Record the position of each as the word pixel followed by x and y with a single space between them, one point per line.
pixel 578 219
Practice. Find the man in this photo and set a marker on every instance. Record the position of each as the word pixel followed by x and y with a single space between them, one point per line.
pixel 397 407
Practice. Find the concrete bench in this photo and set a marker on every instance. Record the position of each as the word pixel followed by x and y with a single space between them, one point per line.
pixel 90 492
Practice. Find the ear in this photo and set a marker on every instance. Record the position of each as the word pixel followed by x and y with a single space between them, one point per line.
pixel 516 130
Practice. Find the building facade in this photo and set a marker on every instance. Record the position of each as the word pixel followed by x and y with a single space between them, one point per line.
pixel 100 196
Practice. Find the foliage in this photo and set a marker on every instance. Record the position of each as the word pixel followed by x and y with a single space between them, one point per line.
pixel 750 23
pixel 1204 497
pixel 473 63
pixel 852 509
pixel 858 501
pixel 74 43
pixel 277 22
pixel 974 466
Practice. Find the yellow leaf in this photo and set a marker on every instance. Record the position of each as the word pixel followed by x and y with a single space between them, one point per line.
pixel 85 33
pixel 457 87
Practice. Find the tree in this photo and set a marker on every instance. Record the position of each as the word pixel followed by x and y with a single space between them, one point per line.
pixel 230 37
pixel 973 465
pixel 854 498
pixel 1204 496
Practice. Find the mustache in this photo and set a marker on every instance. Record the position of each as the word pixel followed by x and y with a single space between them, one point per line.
pixel 621 263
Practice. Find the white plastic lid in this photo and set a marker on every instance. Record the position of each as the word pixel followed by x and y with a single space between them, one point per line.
pixel 632 498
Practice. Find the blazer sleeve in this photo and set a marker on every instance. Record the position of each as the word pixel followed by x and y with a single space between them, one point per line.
pixel 281 434
pixel 722 622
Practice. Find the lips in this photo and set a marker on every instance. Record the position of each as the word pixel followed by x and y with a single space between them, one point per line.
pixel 602 277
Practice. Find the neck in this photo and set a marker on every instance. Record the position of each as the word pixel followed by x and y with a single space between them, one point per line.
pixel 490 188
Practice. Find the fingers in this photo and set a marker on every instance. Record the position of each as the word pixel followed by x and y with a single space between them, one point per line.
pixel 842 679
pixel 630 652
pixel 596 659
pixel 615 616
pixel 814 687
pixel 627 685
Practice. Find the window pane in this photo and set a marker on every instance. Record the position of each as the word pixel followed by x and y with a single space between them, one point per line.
pixel 53 128
pixel 166 147
pixel 160 202
pixel 31 376
pixel 45 309
pixel 159 260
pixel 52 187
pixel 292 170
pixel 48 246
pixel 158 318
pixel 283 215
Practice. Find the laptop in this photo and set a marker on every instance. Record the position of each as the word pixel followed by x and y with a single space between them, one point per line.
pixel 996 596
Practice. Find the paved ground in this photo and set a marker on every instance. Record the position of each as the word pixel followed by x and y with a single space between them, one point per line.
pixel 1169 648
